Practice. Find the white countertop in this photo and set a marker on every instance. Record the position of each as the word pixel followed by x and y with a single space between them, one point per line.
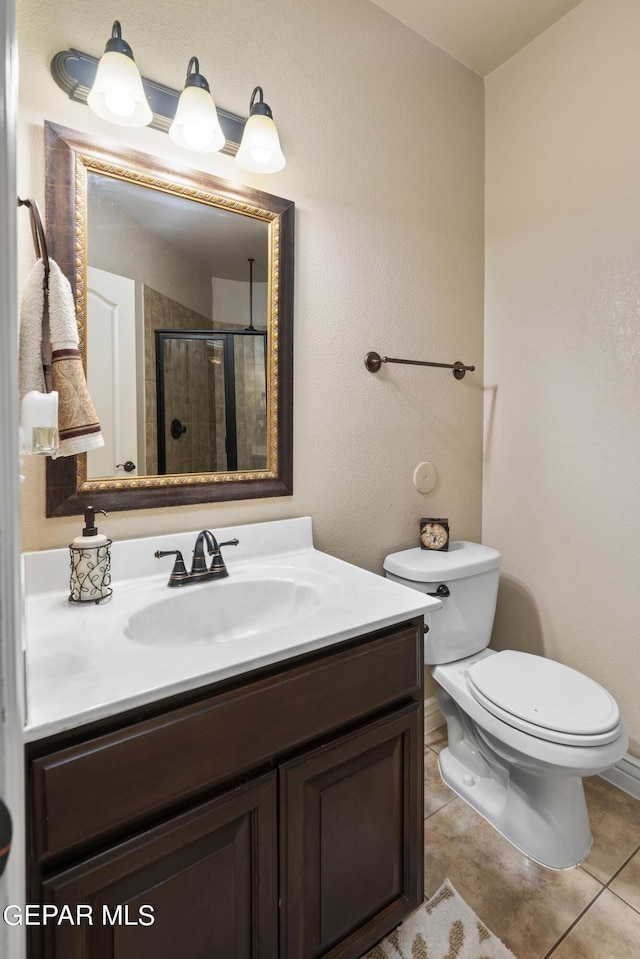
pixel 81 666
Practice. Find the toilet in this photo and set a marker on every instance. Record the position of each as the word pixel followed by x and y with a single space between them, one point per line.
pixel 523 730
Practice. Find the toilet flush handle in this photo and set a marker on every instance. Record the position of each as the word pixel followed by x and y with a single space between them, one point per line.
pixel 442 592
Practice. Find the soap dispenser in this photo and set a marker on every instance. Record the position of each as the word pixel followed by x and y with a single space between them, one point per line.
pixel 90 562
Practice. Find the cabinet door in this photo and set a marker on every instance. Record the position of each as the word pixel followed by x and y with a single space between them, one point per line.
pixel 351 823
pixel 208 878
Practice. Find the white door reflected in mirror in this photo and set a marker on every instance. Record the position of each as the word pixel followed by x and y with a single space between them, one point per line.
pixel 111 371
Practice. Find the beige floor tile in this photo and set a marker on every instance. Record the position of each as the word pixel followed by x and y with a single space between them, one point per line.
pixel 627 883
pixel 527 906
pixel 610 929
pixel 615 824
pixel 436 739
pixel 436 793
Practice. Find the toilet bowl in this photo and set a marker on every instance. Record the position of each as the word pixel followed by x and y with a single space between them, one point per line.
pixel 523 730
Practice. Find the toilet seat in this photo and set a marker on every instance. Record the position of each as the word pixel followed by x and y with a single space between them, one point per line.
pixel 544 698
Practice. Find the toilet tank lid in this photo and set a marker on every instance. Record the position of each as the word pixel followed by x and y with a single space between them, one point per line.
pixel 431 566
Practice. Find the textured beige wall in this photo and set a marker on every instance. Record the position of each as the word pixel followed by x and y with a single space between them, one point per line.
pixel 562 340
pixel 143 257
pixel 383 134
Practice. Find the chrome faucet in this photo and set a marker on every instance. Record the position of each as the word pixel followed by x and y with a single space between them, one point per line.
pixel 199 572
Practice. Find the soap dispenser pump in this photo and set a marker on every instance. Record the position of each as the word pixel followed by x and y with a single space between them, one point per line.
pixel 90 562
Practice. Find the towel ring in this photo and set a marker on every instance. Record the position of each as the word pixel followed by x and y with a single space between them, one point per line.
pixel 37 232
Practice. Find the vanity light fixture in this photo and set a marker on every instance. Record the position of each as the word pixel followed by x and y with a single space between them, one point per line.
pixel 117 94
pixel 190 117
pixel 195 125
pixel 260 149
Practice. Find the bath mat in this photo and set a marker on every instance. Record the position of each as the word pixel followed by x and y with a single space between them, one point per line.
pixel 444 927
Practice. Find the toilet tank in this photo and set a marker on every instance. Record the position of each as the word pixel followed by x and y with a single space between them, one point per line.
pixel 470 573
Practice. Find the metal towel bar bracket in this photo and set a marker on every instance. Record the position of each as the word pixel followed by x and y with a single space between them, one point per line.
pixel 373 362
pixel 37 231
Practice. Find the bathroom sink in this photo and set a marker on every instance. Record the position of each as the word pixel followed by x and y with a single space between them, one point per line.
pixel 223 612
pixel 283 599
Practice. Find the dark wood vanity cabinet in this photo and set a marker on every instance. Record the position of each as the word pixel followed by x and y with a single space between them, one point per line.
pixel 351 838
pixel 202 879
pixel 279 816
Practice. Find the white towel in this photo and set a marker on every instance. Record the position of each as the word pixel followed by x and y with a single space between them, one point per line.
pixel 63 327
pixel 54 313
pixel 78 424
pixel 30 371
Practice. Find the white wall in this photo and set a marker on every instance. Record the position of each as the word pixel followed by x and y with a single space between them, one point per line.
pixel 125 247
pixel 562 340
pixel 230 303
pixel 383 135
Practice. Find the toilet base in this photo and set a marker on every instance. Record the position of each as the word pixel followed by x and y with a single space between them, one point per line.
pixel 555 832
pixel 540 810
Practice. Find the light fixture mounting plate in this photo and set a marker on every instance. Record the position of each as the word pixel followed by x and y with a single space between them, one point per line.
pixel 74 72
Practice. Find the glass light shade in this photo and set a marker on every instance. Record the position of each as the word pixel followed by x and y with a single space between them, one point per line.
pixel 117 94
pixel 260 149
pixel 196 124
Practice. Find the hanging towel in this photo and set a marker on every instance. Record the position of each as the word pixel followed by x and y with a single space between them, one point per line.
pixel 30 359
pixel 78 424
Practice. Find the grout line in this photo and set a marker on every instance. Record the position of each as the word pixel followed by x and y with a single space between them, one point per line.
pixel 615 876
pixel 605 886
pixel 440 808
pixel 623 901
pixel 616 873
pixel 619 870
pixel 575 922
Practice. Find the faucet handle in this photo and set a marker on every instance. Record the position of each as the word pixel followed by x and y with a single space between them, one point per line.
pixel 179 575
pixel 218 570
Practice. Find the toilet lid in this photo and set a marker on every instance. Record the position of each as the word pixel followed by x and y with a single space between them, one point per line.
pixel 545 698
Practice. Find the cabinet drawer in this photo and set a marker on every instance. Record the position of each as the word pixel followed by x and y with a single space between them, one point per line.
pixel 99 786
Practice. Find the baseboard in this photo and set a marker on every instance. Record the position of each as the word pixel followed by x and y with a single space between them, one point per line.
pixel 626 775
pixel 432 715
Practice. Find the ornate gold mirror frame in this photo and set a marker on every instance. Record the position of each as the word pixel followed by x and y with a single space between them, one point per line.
pixel 70 157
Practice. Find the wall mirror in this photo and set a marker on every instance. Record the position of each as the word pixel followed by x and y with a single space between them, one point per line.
pixel 184 301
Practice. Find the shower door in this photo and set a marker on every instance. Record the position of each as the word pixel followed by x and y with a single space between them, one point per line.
pixel 210 401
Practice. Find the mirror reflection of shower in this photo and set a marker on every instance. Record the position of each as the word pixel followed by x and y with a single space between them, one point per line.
pixel 160 262
pixel 223 412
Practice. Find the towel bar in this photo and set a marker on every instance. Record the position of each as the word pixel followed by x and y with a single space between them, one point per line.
pixel 373 362
pixel 37 231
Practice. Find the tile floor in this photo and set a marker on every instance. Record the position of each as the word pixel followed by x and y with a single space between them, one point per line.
pixel 591 912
